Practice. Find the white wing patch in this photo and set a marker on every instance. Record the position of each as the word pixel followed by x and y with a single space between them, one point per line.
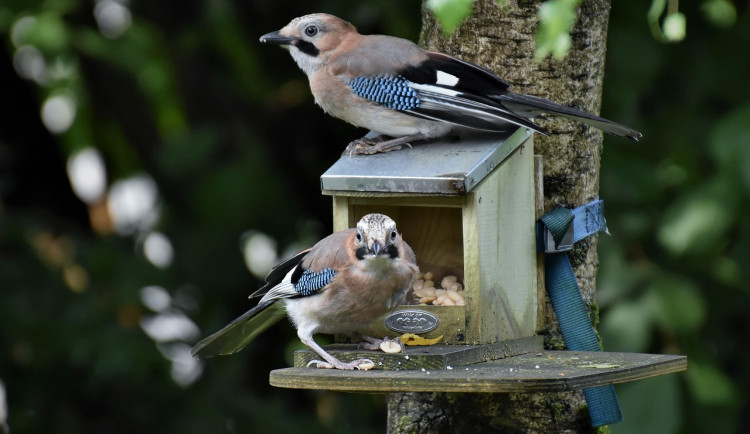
pixel 284 289
pixel 445 79
pixel 433 89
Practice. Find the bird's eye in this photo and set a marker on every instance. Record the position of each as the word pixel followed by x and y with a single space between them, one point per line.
pixel 393 235
pixel 311 30
pixel 359 237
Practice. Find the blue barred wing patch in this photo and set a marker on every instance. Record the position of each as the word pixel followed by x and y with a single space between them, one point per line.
pixel 313 281
pixel 390 91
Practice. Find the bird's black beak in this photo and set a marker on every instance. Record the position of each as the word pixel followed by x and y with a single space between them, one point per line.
pixel 275 38
pixel 376 248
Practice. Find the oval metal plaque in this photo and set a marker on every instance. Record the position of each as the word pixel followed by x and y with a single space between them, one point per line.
pixel 411 321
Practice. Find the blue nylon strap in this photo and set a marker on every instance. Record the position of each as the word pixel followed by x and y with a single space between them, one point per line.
pixel 557 222
pixel 568 304
pixel 588 220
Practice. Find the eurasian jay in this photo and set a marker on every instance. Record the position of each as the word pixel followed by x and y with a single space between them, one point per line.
pixel 342 283
pixel 403 92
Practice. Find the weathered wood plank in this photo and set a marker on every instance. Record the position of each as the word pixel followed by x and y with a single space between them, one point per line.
pixel 427 357
pixel 341 214
pixel 500 252
pixel 543 371
pixel 541 291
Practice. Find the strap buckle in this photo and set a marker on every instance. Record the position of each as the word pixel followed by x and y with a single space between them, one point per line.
pixel 565 244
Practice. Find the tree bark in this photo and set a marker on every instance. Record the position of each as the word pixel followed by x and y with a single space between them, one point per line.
pixel 502 39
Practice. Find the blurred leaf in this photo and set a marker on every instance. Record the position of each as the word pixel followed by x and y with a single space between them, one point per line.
pixel 681 308
pixel 450 13
pixel 49 33
pixel 650 406
pixel 6 18
pixel 627 325
pixel 709 385
pixel 672 174
pixel 720 12
pixel 616 278
pixel 556 19
pixel 728 142
pixel 184 154
pixel 699 219
pixel 727 271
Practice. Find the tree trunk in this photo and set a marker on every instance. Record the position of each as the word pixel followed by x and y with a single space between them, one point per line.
pixel 502 39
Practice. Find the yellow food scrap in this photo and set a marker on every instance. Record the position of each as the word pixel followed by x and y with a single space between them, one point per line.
pixel 412 339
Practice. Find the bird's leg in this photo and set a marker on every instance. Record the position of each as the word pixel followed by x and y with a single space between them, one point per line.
pixel 367 146
pixel 332 362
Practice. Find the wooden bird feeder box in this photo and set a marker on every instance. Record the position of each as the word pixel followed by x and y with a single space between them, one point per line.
pixel 468 210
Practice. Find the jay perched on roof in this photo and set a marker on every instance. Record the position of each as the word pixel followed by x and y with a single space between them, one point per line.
pixel 401 91
pixel 342 283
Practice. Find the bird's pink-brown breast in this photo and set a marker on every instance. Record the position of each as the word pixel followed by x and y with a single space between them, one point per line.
pixel 356 296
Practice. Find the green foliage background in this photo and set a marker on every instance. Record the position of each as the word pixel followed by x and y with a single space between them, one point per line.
pixel 229 133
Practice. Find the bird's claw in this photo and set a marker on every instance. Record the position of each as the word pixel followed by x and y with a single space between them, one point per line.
pixel 360 364
pixel 365 146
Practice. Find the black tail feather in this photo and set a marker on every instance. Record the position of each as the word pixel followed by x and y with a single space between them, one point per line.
pixel 531 105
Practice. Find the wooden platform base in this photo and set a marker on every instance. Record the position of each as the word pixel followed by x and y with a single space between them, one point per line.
pixel 533 372
pixel 428 357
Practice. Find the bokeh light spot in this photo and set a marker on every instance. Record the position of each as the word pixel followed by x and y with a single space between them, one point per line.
pixel 20 30
pixel 169 326
pixel 29 63
pixel 87 174
pixel 112 18
pixel 259 251
pixel 185 368
pixel 158 249
pixel 58 113
pixel 155 298
pixel 133 204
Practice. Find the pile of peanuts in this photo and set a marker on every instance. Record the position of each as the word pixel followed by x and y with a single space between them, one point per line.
pixel 450 292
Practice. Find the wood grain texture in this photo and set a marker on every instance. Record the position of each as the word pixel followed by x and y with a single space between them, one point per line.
pixel 427 357
pixel 542 299
pixel 544 371
pixel 500 252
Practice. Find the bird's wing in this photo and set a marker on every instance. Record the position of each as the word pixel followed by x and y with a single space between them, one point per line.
pixel 237 334
pixel 277 274
pixel 444 70
pixel 442 88
pixel 307 273
pixel 430 85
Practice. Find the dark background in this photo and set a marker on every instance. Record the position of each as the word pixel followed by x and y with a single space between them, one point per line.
pixel 229 133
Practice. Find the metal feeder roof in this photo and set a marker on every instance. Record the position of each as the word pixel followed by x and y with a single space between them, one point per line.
pixel 440 167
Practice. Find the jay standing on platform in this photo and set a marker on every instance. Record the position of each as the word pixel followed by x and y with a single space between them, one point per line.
pixel 405 93
pixel 342 283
